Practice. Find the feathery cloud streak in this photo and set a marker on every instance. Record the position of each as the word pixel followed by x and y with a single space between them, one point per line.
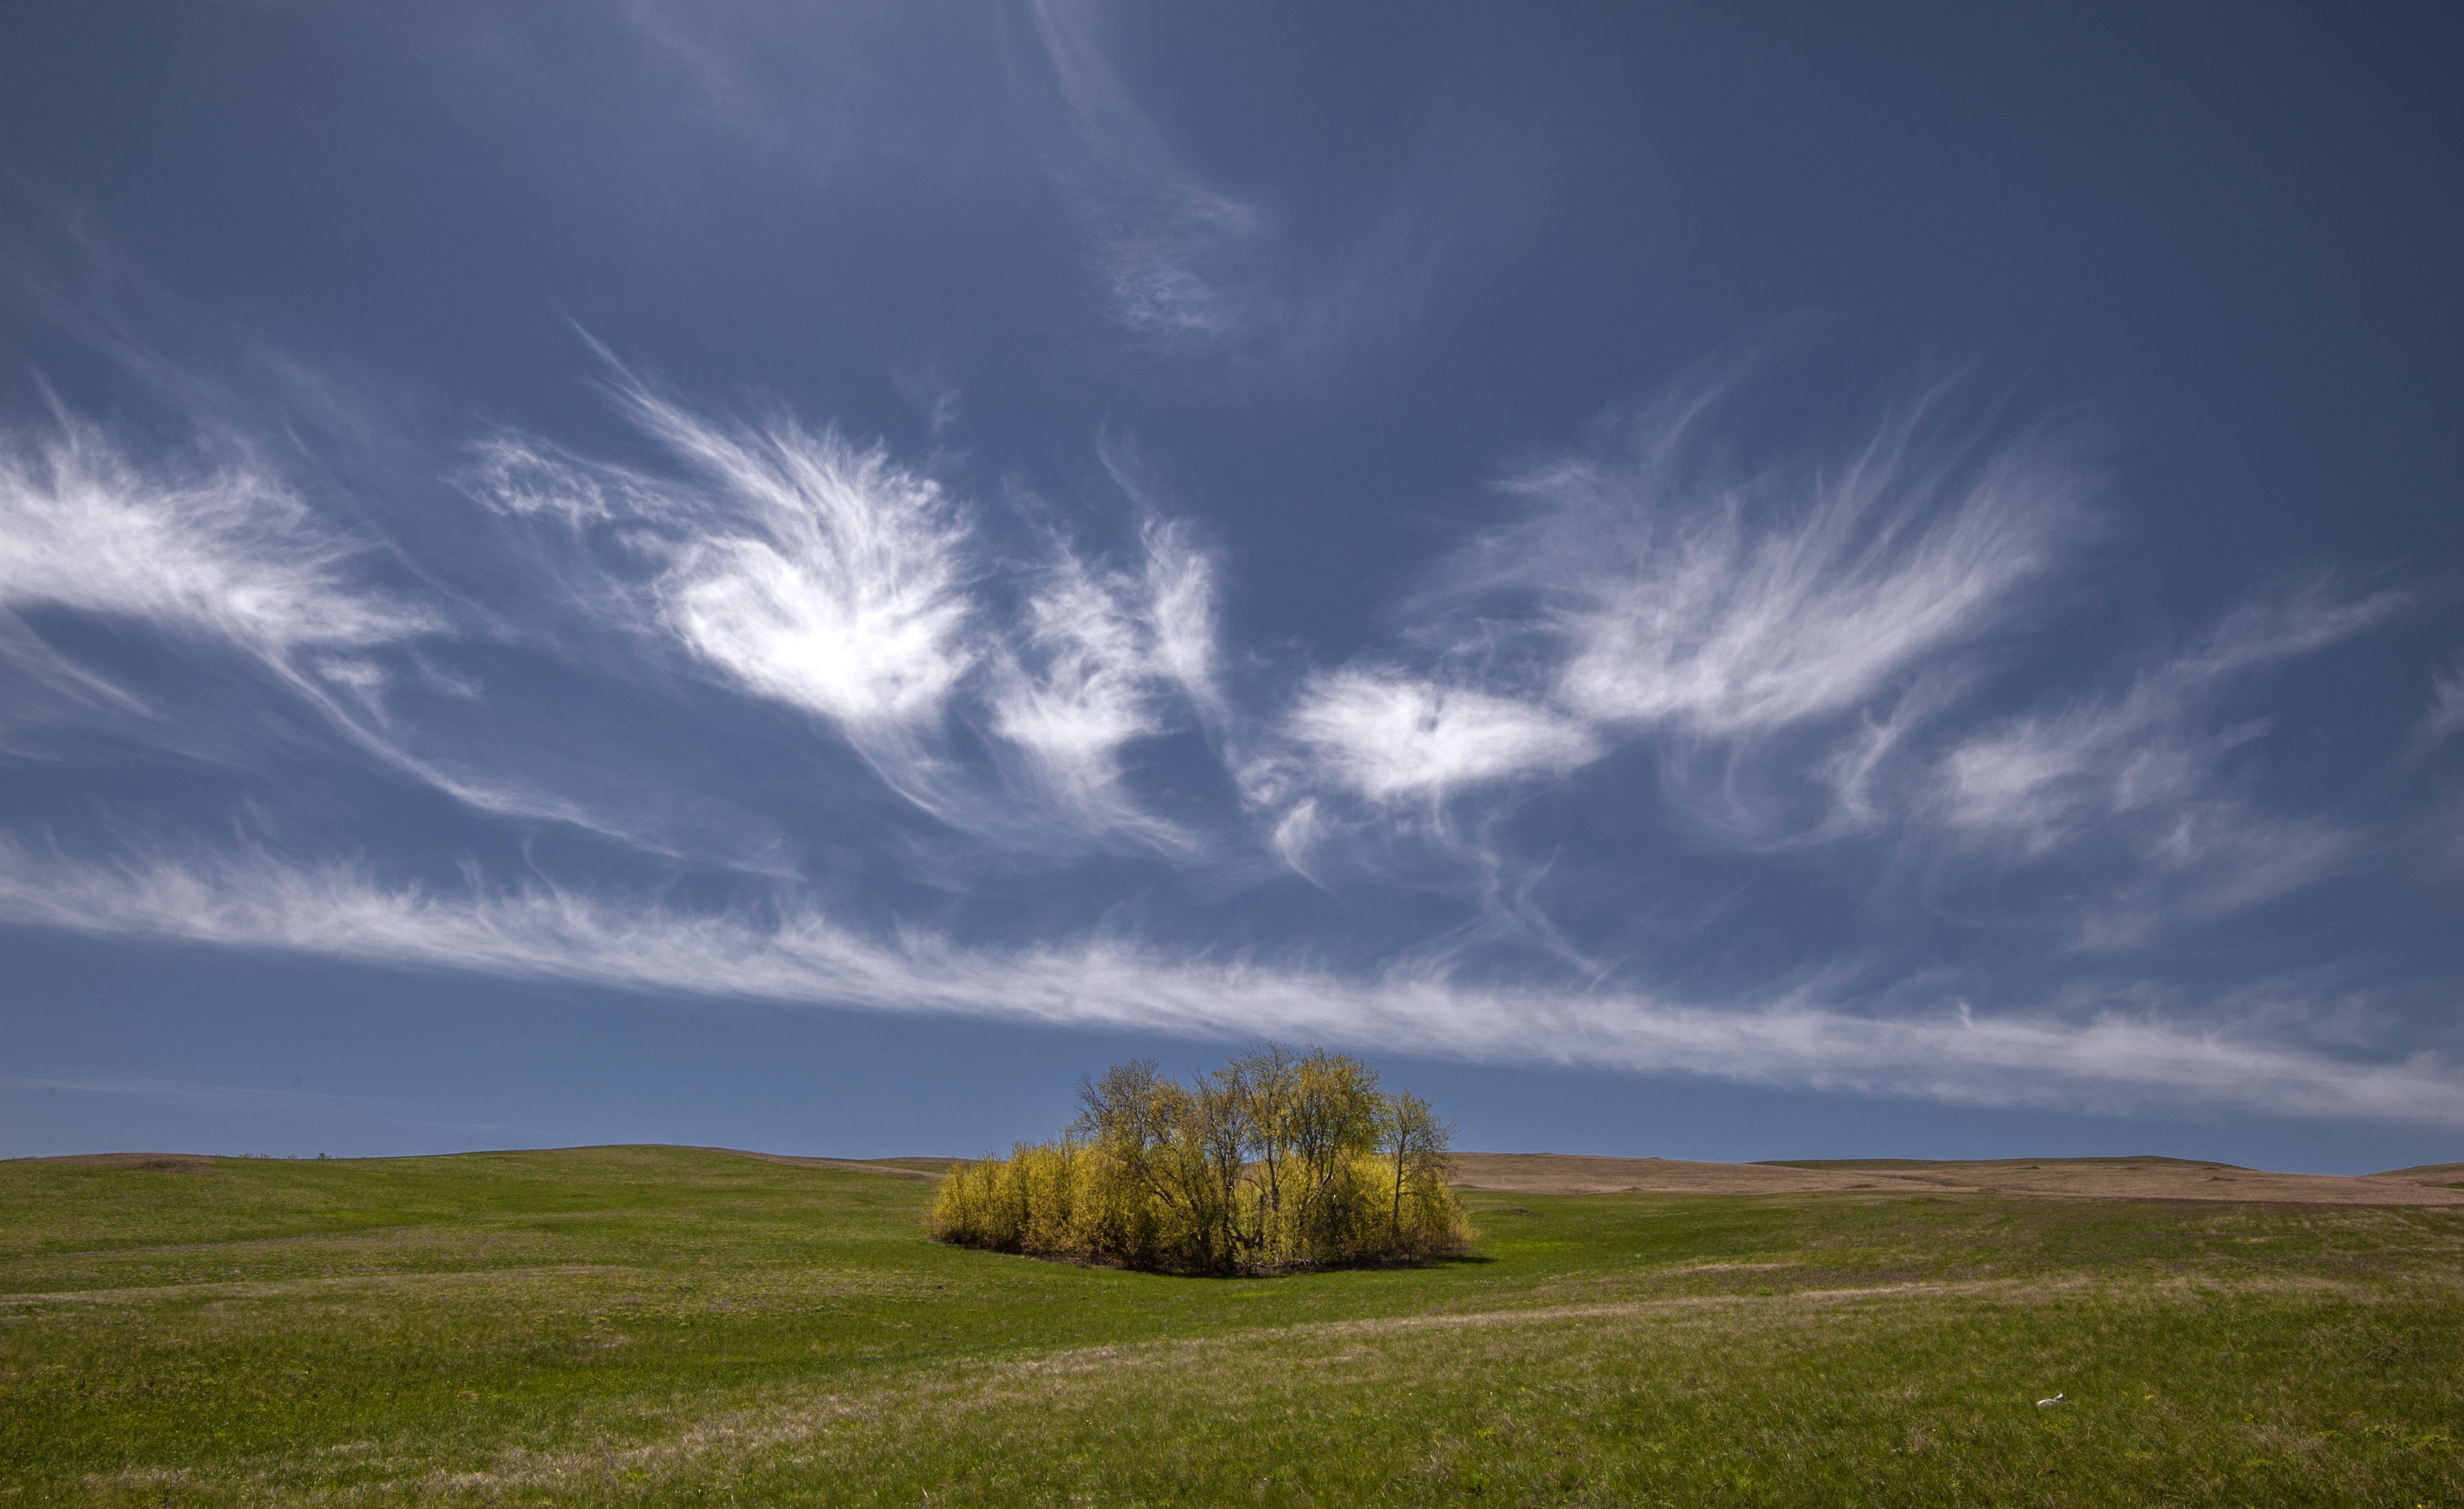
pixel 221 551
pixel 1804 648
pixel 1387 737
pixel 814 572
pixel 1190 270
pixel 1704 600
pixel 797 956
pixel 806 571
pixel 203 549
pixel 2444 718
pixel 2043 776
pixel 1654 590
pixel 1171 250
pixel 2148 774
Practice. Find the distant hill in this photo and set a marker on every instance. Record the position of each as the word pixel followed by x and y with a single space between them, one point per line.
pixel 2147 1176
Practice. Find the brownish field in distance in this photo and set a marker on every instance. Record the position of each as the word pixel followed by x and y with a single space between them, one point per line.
pixel 2152 1178
pixel 2148 1177
pixel 899 1168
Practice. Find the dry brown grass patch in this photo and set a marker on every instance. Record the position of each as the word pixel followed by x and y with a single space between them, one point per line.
pixel 2081 1178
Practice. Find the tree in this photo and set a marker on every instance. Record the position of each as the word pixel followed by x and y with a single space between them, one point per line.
pixel 1418 1145
pixel 1276 1160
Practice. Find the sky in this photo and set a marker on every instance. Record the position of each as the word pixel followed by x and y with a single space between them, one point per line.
pixel 1730 582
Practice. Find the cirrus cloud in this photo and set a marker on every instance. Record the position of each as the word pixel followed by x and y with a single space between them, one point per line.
pixel 2112 1061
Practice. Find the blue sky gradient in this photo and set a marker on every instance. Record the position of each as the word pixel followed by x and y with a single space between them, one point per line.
pixel 1735 585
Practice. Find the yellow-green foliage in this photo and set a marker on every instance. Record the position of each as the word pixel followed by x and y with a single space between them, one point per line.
pixel 1276 1161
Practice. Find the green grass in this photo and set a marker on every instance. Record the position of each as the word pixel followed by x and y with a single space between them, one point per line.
pixel 667 1325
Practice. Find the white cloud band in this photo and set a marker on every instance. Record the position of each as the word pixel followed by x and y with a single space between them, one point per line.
pixel 2113 1063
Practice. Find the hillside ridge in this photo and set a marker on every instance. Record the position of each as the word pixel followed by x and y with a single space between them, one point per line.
pixel 2152 1176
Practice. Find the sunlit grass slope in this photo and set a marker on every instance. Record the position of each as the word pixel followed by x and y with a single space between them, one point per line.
pixel 672 1326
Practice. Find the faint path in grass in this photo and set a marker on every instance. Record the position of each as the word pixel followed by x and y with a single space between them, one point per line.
pixel 288 1288
pixel 691 1448
pixel 791 1417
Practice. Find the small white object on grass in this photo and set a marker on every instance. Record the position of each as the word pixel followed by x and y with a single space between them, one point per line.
pixel 2055 1399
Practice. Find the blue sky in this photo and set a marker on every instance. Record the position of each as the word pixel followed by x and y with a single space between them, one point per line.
pixel 1719 583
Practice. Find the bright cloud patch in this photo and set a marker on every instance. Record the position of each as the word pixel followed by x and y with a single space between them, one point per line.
pixel 1099 661
pixel 1388 737
pixel 193 548
pixel 816 573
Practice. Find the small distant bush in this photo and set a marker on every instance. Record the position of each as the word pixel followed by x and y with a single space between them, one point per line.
pixel 1277 1161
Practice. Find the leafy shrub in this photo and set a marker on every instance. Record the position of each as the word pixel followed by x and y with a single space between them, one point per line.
pixel 1278 1160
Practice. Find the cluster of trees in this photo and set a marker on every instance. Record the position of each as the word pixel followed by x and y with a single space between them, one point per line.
pixel 1278 1160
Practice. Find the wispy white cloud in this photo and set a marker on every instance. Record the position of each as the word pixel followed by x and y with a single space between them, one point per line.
pixel 209 547
pixel 2111 1060
pixel 1182 264
pixel 1685 594
pixel 2149 767
pixel 185 545
pixel 1098 662
pixel 1775 634
pixel 788 563
pixel 829 93
pixel 800 568
pixel 814 572
pixel 1173 253
pixel 1182 609
pixel 1089 688
pixel 1652 588
pixel 2209 859
pixel 1860 775
pixel 1181 589
pixel 2445 717
pixel 1803 647
pixel 206 549
pixel 1191 268
pixel 1386 736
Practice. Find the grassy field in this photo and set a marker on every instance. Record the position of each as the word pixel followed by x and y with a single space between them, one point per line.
pixel 683 1326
